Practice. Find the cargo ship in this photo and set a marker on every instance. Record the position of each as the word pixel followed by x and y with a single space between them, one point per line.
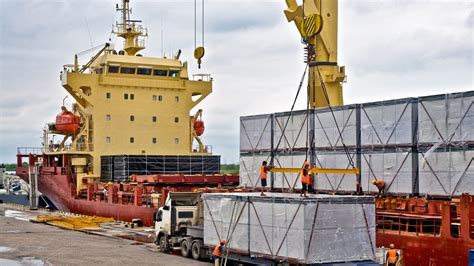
pixel 129 137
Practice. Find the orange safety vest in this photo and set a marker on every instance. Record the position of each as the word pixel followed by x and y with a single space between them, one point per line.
pixel 263 172
pixel 379 183
pixel 392 256
pixel 217 252
pixel 305 179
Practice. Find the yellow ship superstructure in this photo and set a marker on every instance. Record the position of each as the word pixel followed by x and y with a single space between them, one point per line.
pixel 129 104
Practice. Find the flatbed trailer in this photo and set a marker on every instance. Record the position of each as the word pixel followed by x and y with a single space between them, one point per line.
pixel 179 228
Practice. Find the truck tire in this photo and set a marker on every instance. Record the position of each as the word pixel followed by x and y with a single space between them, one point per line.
pixel 163 243
pixel 196 250
pixel 185 248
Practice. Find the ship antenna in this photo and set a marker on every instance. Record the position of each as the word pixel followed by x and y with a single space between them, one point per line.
pixel 131 31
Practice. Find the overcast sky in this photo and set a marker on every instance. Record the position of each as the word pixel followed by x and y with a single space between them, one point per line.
pixel 391 49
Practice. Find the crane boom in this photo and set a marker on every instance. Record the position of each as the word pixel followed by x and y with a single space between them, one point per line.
pixel 316 20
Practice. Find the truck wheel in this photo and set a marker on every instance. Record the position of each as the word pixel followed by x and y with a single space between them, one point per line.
pixel 196 250
pixel 185 248
pixel 163 243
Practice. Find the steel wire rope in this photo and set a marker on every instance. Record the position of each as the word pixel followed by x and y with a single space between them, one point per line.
pixel 346 150
pixel 291 112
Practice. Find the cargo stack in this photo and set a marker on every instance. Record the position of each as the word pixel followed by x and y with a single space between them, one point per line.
pixel 418 146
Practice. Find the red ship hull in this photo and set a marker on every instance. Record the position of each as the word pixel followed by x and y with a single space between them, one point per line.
pixel 120 205
pixel 429 232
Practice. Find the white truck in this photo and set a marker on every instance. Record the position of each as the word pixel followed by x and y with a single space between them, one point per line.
pixel 179 223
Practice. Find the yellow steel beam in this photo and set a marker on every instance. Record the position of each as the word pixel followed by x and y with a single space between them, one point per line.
pixel 317 170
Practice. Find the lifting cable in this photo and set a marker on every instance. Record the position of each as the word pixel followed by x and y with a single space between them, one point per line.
pixel 291 112
pixel 346 150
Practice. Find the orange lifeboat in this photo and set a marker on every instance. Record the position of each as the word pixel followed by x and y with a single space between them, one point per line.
pixel 67 123
pixel 199 127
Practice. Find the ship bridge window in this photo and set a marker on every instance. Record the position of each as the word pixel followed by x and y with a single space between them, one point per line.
pixel 132 139
pixel 160 72
pixel 176 98
pixel 132 118
pixel 107 95
pixel 173 73
pixel 127 70
pixel 144 71
pixel 154 140
pixel 107 139
pixel 153 98
pixel 176 119
pixel 154 119
pixel 160 98
pixel 132 96
pixel 114 69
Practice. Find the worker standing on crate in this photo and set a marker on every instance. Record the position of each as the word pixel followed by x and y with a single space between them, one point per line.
pixel 305 179
pixel 380 184
pixel 392 256
pixel 263 176
pixel 216 255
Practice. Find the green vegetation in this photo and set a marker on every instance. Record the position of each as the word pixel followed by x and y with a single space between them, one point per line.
pixel 230 169
pixel 10 166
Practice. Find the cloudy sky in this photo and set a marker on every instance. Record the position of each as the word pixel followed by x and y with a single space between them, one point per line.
pixel 391 49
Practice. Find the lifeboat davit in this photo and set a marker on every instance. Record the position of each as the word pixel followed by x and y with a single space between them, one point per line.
pixel 67 123
pixel 199 127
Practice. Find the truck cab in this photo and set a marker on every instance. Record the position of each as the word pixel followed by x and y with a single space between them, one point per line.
pixel 179 223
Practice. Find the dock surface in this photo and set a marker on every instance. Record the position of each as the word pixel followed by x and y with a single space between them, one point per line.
pixel 26 243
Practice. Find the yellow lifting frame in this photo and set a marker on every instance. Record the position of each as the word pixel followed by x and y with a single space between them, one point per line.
pixel 316 170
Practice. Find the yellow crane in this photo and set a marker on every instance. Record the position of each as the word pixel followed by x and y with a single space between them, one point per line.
pixel 316 21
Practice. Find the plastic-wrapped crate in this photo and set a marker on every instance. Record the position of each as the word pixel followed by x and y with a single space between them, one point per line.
pixel 295 136
pixel 446 172
pixel 286 227
pixel 326 134
pixel 387 123
pixel 255 133
pixel 446 118
pixel 394 167
pixel 335 182
pixel 250 169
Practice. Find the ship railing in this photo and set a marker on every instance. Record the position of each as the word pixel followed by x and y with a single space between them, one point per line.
pixel 207 149
pixel 29 150
pixel 202 77
pixel 70 147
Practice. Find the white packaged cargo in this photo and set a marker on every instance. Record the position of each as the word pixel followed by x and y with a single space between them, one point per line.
pixel 325 129
pixel 335 182
pixel 255 133
pixel 446 172
pixel 386 123
pixel 250 169
pixel 394 167
pixel 286 227
pixel 446 118
pixel 295 136
pixel 288 180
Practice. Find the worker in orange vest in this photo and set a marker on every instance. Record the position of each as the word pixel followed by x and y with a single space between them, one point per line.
pixel 392 256
pixel 216 255
pixel 380 184
pixel 305 179
pixel 263 176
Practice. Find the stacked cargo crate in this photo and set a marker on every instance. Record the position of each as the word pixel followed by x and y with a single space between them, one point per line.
pixel 416 145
